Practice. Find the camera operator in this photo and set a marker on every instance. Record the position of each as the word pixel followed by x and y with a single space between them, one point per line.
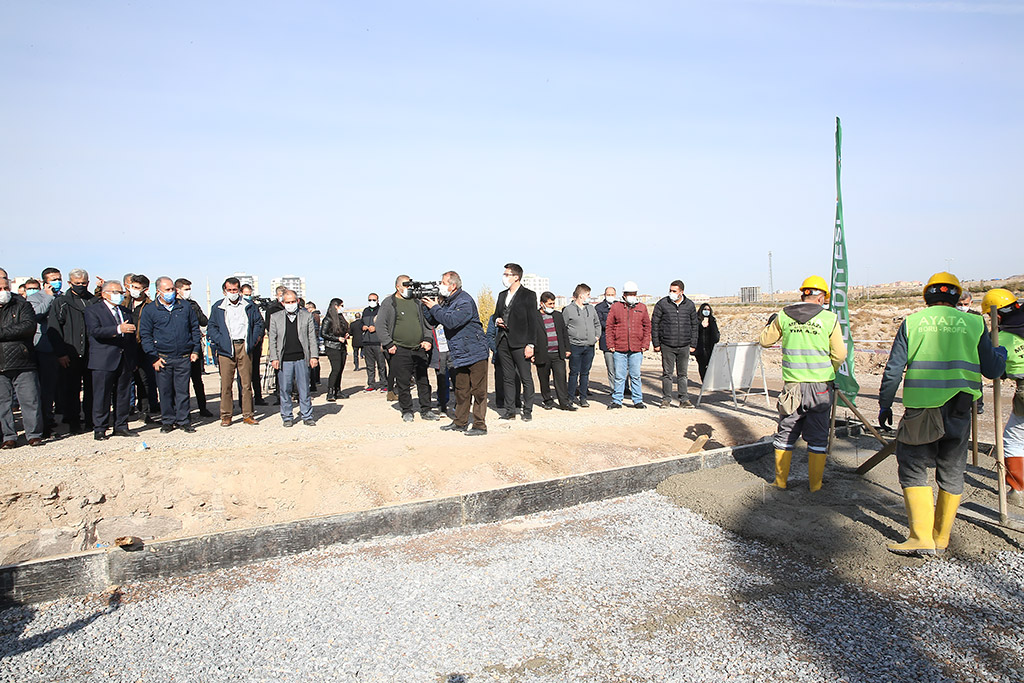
pixel 406 337
pixel 467 352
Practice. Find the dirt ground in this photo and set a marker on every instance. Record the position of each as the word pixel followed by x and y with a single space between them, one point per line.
pixel 74 493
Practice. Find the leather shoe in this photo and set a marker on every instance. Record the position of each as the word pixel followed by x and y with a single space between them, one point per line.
pixel 205 413
pixel 188 428
pixel 260 402
pixel 570 407
pixel 166 429
pixel 527 417
pixel 35 442
pixel 547 405
pixel 476 432
pixel 124 432
pixel 7 445
pixel 249 421
pixel 309 423
pixel 427 415
pixel 508 416
pixel 99 436
pixel 452 427
pixel 225 422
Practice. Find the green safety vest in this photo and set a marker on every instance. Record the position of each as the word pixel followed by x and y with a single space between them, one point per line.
pixel 1014 346
pixel 942 356
pixel 806 353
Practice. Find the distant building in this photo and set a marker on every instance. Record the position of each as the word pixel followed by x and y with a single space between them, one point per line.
pixel 292 282
pixel 251 280
pixel 537 283
pixel 750 295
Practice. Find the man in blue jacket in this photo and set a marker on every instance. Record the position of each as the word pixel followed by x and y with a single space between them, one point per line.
pixel 467 352
pixel 235 328
pixel 169 331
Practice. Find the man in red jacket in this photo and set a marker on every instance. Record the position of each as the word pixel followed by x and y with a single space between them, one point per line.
pixel 628 333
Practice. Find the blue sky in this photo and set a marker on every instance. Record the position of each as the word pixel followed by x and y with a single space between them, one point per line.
pixel 589 141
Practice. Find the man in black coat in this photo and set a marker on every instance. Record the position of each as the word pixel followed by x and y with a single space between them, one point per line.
pixel 112 352
pixel 18 367
pixel 551 350
pixel 674 335
pixel 184 289
pixel 515 316
pixel 71 346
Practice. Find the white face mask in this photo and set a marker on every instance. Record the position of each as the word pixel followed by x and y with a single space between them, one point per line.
pixel 136 293
pixel 5 297
pixel 406 293
pixel 549 310
pixel 675 296
pixel 506 280
pixel 116 298
pixel 446 290
pixel 292 307
pixel 372 304
pixel 186 294
pixel 233 296
pixel 632 300
pixel 610 299
pixel 963 307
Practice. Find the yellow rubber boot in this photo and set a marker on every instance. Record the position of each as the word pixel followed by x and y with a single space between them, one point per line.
pixel 815 469
pixel 782 460
pixel 945 512
pixel 921 520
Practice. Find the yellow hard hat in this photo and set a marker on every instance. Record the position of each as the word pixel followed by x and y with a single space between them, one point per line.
pixel 1000 298
pixel 943 279
pixel 815 282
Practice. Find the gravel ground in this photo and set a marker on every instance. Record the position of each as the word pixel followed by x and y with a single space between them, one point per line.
pixel 634 588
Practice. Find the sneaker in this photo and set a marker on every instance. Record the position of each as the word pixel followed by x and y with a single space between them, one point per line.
pixel 287 423
pixel 452 427
pixel 527 417
pixel 686 404
pixel 368 389
pixel 665 405
pixel 584 403
pixel 614 406
pixel 428 415
pixel 309 423
pixel 640 406
pixel 408 417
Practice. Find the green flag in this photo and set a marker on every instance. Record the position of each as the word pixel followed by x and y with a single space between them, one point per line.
pixel 839 303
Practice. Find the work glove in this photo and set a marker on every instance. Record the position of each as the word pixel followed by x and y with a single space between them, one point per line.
pixel 772 318
pixel 885 418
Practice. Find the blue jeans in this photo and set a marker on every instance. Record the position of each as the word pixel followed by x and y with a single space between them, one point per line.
pixel 627 363
pixel 294 373
pixel 580 361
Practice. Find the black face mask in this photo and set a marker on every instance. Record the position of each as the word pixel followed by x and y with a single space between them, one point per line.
pixel 79 289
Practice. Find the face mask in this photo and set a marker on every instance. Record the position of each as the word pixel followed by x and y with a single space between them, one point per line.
pixel 675 296
pixel 30 292
pixel 291 308
pixel 5 297
pixel 136 293
pixel 962 307
pixel 549 310
pixel 168 297
pixel 186 294
pixel 706 313
pixel 632 300
pixel 610 299
pixel 79 289
pixel 406 293
pixel 446 290
pixel 373 304
pixel 247 297
pixel 56 285
pixel 233 296
pixel 116 298
pixel 506 280
pixel 337 309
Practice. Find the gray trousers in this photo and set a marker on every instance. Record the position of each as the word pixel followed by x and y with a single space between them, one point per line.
pixel 373 354
pixel 609 364
pixel 948 454
pixel 675 361
pixel 26 384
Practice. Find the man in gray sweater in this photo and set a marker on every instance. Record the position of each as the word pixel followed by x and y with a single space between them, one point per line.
pixel 584 329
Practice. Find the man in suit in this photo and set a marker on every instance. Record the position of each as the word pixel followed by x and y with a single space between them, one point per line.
pixel 515 316
pixel 112 350
pixel 293 352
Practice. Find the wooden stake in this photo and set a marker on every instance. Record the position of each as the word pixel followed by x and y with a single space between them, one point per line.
pixel 997 418
pixel 832 426
pixel 974 433
pixel 874 432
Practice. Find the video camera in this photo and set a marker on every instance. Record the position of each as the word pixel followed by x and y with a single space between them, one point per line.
pixel 423 290
pixel 261 302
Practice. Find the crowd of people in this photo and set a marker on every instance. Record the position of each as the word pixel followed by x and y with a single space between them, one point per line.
pixel 99 356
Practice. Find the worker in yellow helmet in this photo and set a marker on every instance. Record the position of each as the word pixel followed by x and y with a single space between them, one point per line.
pixel 812 349
pixel 1011 338
pixel 944 353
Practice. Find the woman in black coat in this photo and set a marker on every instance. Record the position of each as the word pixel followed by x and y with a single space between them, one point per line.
pixel 707 337
pixel 334 330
